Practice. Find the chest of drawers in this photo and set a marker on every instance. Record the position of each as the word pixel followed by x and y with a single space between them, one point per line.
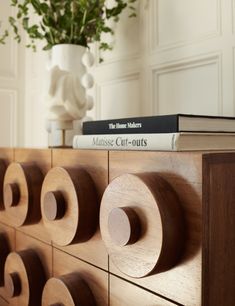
pixel 138 228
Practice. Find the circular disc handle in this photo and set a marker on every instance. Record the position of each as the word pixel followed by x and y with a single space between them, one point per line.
pixel 24 277
pixel 69 205
pixel 142 224
pixel 11 194
pixel 54 205
pixel 124 226
pixel 21 194
pixel 4 251
pixel 13 284
pixel 69 290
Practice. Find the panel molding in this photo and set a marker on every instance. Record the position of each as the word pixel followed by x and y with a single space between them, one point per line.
pixel 154 41
pixel 233 15
pixel 98 95
pixel 182 65
pixel 13 94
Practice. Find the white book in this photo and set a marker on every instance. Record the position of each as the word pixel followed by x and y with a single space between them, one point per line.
pixel 157 142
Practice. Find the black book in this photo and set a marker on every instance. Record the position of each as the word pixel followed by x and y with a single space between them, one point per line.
pixel 161 124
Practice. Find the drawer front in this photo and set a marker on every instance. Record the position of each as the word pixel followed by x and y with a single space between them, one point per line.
pixel 182 172
pixel 95 164
pixel 126 294
pixel 6 157
pixel 27 270
pixel 7 245
pixel 89 282
pixel 41 161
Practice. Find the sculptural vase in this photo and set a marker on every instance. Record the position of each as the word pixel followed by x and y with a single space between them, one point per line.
pixel 67 97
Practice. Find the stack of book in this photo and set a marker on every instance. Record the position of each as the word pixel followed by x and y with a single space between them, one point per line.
pixel 179 132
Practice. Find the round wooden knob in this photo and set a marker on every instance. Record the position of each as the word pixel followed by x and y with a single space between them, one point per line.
pixel 4 251
pixel 11 194
pixel 69 290
pixel 142 224
pixel 13 285
pixel 22 187
pixel 124 226
pixel 69 205
pixel 54 205
pixel 24 277
pixel 3 168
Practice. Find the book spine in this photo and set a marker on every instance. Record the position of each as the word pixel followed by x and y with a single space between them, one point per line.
pixel 161 142
pixel 140 125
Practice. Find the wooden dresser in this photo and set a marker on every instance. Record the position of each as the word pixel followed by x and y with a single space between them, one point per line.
pixel 116 228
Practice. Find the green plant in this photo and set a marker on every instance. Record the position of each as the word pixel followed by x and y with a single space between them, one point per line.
pixel 65 21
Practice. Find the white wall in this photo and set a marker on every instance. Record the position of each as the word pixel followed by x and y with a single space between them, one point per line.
pixel 177 56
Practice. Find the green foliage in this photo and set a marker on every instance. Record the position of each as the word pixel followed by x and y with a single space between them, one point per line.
pixel 65 21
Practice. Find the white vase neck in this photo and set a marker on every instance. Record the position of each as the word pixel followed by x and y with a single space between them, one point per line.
pixel 68 57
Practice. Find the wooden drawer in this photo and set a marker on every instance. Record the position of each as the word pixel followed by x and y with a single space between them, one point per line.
pixel 126 294
pixel 7 245
pixel 3 302
pixel 6 157
pixel 26 271
pixel 26 173
pixel 183 173
pixel 95 163
pixel 142 194
pixel 96 279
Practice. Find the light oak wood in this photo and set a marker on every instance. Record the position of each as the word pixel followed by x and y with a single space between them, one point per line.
pixel 73 291
pixel 96 164
pixel 22 186
pixel 78 193
pixel 183 171
pixel 42 159
pixel 123 293
pixel 161 224
pixel 24 278
pixel 96 279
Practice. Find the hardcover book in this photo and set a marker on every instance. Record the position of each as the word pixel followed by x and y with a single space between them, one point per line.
pixel 157 142
pixel 161 124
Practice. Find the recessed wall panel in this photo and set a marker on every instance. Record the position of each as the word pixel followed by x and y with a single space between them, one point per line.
pixel 184 22
pixel 8 52
pixel 188 88
pixel 120 98
pixel 7 118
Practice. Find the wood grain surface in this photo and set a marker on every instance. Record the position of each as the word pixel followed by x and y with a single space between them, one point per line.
pixel 9 235
pixel 123 293
pixel 73 291
pixel 96 164
pixel 218 264
pixel 161 220
pixel 24 278
pixel 183 171
pixel 6 157
pixel 80 205
pixel 22 187
pixel 42 159
pixel 43 250
pixel 95 278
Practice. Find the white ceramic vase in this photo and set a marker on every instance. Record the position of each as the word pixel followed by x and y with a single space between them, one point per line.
pixel 67 99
